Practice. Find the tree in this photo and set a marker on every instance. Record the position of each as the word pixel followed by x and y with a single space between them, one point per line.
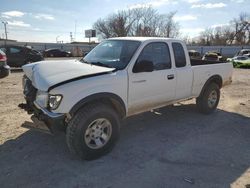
pixel 206 37
pixel 103 29
pixel 241 29
pixel 168 27
pixel 144 21
pixel 236 32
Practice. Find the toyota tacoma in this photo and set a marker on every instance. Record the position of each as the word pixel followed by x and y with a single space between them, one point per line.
pixel 119 78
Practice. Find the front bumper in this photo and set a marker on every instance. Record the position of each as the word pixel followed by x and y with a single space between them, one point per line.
pixel 47 113
pixel 54 121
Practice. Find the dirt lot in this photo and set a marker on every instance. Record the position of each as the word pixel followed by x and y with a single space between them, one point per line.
pixel 171 147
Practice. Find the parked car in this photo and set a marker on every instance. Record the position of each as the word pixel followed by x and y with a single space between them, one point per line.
pixel 194 54
pixel 119 78
pixel 247 55
pixel 240 61
pixel 212 56
pixel 4 68
pixel 243 52
pixel 18 56
pixel 56 53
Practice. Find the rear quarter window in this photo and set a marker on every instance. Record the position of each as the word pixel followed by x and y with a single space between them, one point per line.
pixel 179 55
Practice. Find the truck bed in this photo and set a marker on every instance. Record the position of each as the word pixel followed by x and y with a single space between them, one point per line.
pixel 202 73
pixel 195 62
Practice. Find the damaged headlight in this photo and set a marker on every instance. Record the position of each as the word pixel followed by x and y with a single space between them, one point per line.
pixel 54 101
pixel 42 98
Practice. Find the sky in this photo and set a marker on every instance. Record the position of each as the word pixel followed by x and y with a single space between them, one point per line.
pixel 52 21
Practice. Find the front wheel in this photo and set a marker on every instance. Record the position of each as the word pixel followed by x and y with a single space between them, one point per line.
pixel 208 101
pixel 93 131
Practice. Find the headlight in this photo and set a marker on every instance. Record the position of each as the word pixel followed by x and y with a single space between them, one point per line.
pixel 54 101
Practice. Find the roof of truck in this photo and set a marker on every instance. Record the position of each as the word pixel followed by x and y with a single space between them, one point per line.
pixel 143 38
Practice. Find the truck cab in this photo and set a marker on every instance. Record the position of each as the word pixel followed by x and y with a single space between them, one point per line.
pixel 169 80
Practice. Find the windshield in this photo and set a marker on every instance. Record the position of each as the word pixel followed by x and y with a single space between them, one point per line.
pixel 112 53
pixel 241 58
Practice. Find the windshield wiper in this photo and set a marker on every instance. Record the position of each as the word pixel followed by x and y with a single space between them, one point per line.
pixel 95 63
pixel 101 64
pixel 84 61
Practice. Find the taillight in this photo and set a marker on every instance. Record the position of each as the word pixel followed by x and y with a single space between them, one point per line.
pixel 3 57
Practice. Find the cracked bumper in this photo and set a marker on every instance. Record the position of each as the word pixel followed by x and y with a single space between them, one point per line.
pixel 48 113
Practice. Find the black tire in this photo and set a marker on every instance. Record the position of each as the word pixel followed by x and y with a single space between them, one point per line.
pixel 203 102
pixel 80 122
pixel 4 73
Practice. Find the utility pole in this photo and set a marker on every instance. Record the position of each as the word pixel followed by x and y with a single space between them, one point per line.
pixel 5 29
pixel 71 37
pixel 75 31
pixel 57 39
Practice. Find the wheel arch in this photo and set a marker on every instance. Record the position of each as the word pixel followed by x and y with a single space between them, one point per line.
pixel 213 79
pixel 108 98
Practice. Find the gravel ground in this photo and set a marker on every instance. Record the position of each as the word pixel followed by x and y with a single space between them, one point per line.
pixel 170 147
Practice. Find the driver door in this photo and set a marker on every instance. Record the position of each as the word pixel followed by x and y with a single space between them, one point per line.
pixel 148 90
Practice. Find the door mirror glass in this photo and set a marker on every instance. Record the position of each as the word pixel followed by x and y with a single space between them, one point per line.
pixel 85 53
pixel 143 66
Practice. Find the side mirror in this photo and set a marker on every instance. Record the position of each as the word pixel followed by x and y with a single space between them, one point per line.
pixel 85 53
pixel 143 66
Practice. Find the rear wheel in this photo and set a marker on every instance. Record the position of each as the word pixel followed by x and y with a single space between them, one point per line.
pixel 93 131
pixel 208 101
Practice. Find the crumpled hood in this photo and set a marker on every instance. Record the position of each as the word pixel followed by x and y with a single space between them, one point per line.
pixel 45 74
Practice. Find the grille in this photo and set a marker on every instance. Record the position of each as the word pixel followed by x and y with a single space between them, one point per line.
pixel 29 90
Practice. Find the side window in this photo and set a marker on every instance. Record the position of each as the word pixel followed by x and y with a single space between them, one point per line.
pixel 158 53
pixel 179 55
pixel 15 50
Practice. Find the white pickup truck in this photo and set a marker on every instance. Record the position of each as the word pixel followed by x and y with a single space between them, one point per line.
pixel 120 77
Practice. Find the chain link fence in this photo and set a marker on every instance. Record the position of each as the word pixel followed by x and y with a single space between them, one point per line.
pixel 80 49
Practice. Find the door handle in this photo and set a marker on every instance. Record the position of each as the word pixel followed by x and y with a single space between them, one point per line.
pixel 139 81
pixel 170 76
